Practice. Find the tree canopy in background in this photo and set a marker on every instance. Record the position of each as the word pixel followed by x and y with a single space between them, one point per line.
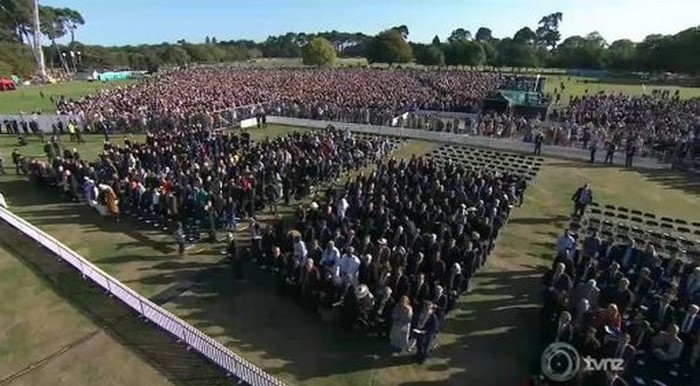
pixel 390 47
pixel 318 52
pixel 539 47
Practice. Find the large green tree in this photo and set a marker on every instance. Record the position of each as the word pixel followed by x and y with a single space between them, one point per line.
pixel 318 52
pixel 459 35
pixel 548 30
pixel 389 47
pixel 483 35
pixel 465 53
pixel 429 55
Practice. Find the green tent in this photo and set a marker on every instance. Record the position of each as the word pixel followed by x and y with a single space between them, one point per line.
pixel 516 97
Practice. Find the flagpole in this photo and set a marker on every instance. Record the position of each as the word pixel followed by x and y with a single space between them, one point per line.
pixel 38 51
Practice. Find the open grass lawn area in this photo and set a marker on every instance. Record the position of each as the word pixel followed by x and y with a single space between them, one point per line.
pixel 490 339
pixel 48 340
pixel 576 86
pixel 28 98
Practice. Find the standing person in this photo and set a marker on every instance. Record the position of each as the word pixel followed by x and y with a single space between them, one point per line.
pixel 179 237
pixel 426 330
pixel 581 199
pixel 401 326
pixel 630 149
pixel 593 148
pixel 16 159
pixel 539 138
pixel 610 148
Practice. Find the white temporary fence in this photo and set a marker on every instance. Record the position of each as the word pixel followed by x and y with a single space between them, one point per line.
pixel 184 332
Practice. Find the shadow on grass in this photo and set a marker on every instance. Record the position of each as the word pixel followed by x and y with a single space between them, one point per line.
pixel 537 220
pixel 154 346
pixel 280 336
pixel 673 179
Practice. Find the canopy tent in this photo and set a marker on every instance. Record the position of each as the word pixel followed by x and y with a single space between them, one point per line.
pixel 6 84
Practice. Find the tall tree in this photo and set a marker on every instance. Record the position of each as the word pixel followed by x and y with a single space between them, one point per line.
pixel 436 41
pixel 72 19
pixel 318 52
pixel 467 53
pixel 548 30
pixel 483 35
pixel 524 36
pixel 511 53
pixel 459 35
pixel 54 26
pixel 429 55
pixel 403 30
pixel 389 47
pixel 622 54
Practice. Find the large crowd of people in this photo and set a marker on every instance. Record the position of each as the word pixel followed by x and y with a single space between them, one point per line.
pixel 659 123
pixel 619 300
pixel 198 176
pixel 205 96
pixel 392 251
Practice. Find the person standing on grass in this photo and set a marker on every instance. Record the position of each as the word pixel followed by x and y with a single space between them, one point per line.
pixel 425 331
pixel 630 150
pixel 539 138
pixel 401 326
pixel 610 148
pixel 179 237
pixel 581 199
pixel 594 147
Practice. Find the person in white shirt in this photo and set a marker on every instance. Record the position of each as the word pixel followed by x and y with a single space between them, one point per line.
pixel 341 208
pixel 348 266
pixel 330 256
pixel 300 251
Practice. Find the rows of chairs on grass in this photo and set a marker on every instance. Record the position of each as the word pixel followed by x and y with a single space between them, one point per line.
pixel 524 165
pixel 667 235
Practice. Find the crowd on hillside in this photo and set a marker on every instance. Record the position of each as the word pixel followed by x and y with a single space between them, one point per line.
pixel 659 123
pixel 622 300
pixel 186 97
pixel 197 176
pixel 392 250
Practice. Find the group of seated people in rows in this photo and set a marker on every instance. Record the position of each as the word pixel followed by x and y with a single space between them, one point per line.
pixel 393 250
pixel 182 97
pixel 198 176
pixel 614 300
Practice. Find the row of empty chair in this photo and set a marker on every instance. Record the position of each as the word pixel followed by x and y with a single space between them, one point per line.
pixel 652 220
pixel 526 166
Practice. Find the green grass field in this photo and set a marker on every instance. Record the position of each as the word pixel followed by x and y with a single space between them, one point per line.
pixel 28 98
pixel 487 341
pixel 574 86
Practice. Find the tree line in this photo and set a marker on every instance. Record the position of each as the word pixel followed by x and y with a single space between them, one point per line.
pixel 539 47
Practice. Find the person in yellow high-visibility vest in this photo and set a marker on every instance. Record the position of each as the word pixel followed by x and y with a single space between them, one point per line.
pixel 71 131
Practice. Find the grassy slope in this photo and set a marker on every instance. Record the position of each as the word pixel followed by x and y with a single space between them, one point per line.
pixel 35 324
